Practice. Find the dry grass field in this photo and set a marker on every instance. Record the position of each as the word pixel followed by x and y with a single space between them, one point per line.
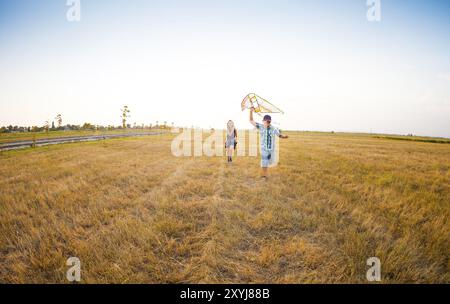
pixel 133 213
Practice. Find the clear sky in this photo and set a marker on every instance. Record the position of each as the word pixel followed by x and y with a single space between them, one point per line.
pixel 192 62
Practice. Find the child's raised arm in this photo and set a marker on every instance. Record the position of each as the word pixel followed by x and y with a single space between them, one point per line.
pixel 251 116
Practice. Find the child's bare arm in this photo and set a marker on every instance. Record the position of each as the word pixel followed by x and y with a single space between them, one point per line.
pixel 251 117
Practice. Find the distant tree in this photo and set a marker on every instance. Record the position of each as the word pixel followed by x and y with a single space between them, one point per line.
pixel 88 126
pixel 53 125
pixel 165 124
pixel 124 116
pixel 157 124
pixel 59 120
pixel 46 126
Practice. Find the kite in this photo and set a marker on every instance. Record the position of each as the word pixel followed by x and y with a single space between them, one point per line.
pixel 260 104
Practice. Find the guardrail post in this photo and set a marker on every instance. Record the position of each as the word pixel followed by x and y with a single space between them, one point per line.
pixel 33 144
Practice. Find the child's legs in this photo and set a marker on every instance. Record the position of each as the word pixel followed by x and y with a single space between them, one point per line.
pixel 265 161
pixel 230 151
pixel 264 171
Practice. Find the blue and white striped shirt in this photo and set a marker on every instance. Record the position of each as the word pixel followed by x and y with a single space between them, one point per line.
pixel 267 137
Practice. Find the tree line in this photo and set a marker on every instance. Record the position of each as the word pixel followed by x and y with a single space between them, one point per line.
pixel 57 125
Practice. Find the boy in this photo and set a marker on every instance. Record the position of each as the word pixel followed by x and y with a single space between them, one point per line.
pixel 267 140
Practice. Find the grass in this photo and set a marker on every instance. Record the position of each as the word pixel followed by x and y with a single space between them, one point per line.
pixel 134 213
pixel 11 137
pixel 416 138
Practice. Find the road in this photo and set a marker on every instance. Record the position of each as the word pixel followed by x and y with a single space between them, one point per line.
pixel 61 140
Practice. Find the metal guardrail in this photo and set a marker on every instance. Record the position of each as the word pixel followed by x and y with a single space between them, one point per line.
pixel 60 140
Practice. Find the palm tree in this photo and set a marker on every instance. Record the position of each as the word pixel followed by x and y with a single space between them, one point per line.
pixel 59 120
pixel 124 116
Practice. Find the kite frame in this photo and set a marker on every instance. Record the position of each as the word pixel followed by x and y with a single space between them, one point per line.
pixel 253 95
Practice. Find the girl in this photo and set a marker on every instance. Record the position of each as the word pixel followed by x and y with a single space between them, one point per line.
pixel 231 142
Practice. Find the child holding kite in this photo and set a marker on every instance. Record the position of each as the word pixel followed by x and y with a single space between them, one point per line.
pixel 267 140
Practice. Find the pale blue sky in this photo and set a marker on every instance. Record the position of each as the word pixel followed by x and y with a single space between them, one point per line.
pixel 192 62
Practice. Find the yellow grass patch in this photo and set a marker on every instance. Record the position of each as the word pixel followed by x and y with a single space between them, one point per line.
pixel 132 212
